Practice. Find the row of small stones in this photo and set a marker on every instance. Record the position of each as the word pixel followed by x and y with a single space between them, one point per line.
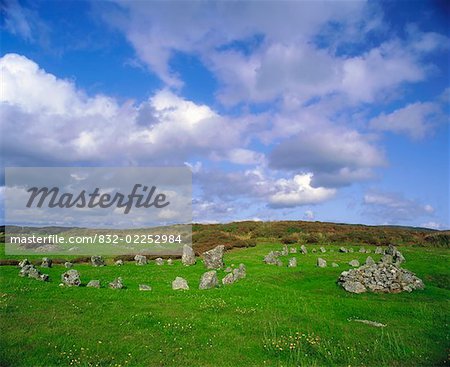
pixel 321 263
pixel 303 250
pixel 208 279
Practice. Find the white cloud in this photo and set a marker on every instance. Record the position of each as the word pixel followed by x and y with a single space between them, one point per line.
pixel 336 156
pixel 415 120
pixel 395 207
pixel 298 191
pixel 309 215
pixel 50 119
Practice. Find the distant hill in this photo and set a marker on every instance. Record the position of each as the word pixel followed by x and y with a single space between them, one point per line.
pixel 248 233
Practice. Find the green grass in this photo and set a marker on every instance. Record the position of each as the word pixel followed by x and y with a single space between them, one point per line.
pixel 274 317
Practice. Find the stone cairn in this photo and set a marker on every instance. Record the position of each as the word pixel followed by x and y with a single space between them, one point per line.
pixel 386 276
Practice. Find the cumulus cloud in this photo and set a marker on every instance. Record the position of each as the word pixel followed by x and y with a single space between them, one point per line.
pixel 394 207
pixel 50 119
pixel 415 120
pixel 336 156
pixel 298 191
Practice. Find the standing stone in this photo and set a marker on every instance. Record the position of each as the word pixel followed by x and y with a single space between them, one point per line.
pixel 362 250
pixel 144 287
pixel 321 263
pixel 119 262
pixel 23 263
pixel 270 258
pixel 71 278
pixel 169 262
pixel 228 279
pixel 116 283
pixel 228 270
pixel 334 265
pixel 159 261
pixel 46 262
pixel 354 263
pixel 293 250
pixel 93 284
pixel 68 265
pixel 140 260
pixel 303 250
pixel 97 261
pixel 285 251
pixel 343 249
pixel 369 261
pixel 397 257
pixel 31 272
pixel 188 257
pixel 350 250
pixel 209 280
pixel 379 250
pixel 213 259
pixel 180 283
pixel 322 249
pixel 240 272
pixel 292 262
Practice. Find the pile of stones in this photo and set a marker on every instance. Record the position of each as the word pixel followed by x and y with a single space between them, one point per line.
pixel 386 276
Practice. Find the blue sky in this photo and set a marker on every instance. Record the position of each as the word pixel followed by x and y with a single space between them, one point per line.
pixel 334 111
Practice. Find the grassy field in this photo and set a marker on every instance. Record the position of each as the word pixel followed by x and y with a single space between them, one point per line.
pixel 277 316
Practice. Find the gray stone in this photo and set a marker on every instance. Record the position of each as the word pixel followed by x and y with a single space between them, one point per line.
pixel 303 249
pixel 159 261
pixel 321 263
pixel 31 272
pixel 293 250
pixel 354 287
pixel 397 257
pixel 285 251
pixel 369 261
pixel 213 259
pixel 379 250
pixel 271 258
pixel 343 249
pixel 46 262
pixel 334 265
pixel 362 250
pixel 322 249
pixel 119 262
pixel 292 262
pixel 144 287
pixel 23 263
pixel 93 284
pixel 228 279
pixel 350 250
pixel 228 270
pixel 169 262
pixel 180 283
pixel 140 260
pixel 68 265
pixel 97 261
pixel 209 280
pixel 116 283
pixel 188 257
pixel 240 272
pixel 354 263
pixel 71 278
